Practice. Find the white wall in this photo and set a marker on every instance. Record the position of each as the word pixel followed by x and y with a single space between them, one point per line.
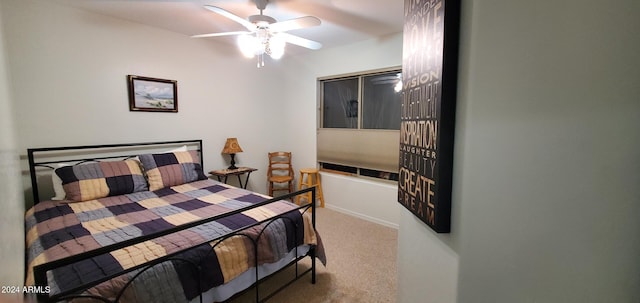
pixel 11 201
pixel 69 68
pixel 546 191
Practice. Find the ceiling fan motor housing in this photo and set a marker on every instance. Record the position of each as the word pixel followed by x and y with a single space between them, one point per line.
pixel 261 19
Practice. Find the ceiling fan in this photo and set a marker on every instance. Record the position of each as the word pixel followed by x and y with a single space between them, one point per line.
pixel 264 34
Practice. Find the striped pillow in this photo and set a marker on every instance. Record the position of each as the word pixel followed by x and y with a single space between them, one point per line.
pixel 170 169
pixel 101 179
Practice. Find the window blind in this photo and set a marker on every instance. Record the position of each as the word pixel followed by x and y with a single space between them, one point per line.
pixel 363 148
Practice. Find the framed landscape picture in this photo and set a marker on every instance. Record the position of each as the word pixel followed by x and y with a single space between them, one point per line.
pixel 152 94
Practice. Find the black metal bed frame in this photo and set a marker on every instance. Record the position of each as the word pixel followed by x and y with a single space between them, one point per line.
pixel 40 271
pixel 31 155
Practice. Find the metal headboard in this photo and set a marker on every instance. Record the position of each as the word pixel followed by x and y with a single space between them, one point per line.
pixel 70 154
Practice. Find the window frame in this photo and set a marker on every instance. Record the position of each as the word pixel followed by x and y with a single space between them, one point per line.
pixel 385 175
pixel 360 77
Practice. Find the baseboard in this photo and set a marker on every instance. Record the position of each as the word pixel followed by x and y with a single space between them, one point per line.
pixel 363 217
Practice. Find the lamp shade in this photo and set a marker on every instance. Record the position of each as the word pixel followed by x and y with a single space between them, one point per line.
pixel 231 146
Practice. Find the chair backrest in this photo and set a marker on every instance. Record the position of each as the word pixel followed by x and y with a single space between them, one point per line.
pixel 280 164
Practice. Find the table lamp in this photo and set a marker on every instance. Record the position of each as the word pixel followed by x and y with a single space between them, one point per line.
pixel 231 147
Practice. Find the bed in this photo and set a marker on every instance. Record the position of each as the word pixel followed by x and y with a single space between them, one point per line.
pixel 142 223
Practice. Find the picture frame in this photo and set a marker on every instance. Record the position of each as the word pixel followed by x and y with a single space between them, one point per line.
pixel 148 94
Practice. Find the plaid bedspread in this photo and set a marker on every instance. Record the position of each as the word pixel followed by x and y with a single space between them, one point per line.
pixel 57 229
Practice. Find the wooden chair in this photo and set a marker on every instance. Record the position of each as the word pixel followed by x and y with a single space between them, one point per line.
pixel 280 171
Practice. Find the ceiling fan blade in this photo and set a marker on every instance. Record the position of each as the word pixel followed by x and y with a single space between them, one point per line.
pixel 302 22
pixel 220 34
pixel 310 44
pixel 250 26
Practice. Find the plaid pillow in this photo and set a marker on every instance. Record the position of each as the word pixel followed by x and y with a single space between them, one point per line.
pixel 170 169
pixel 101 179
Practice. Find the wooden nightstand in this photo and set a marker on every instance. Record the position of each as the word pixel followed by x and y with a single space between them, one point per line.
pixel 223 174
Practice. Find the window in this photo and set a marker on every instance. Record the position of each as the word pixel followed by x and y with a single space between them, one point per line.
pixel 380 97
pixel 360 122
pixel 381 101
pixel 340 103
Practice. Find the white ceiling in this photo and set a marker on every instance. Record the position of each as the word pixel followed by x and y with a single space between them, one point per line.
pixel 343 21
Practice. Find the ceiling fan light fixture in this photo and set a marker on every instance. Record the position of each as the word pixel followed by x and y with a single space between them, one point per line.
pixel 257 45
pixel 248 45
pixel 276 46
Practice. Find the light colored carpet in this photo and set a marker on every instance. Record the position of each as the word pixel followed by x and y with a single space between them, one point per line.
pixel 361 264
